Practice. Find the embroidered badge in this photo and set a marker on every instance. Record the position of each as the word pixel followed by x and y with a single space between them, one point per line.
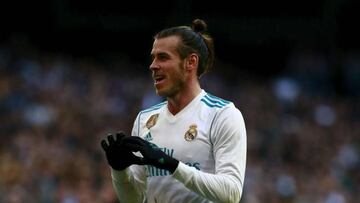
pixel 152 121
pixel 191 133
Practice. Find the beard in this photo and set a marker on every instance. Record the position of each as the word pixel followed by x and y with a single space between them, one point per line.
pixel 176 81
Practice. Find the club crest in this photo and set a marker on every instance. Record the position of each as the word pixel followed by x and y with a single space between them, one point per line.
pixel 152 121
pixel 191 133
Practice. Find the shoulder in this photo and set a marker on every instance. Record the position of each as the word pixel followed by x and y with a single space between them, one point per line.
pixel 227 121
pixel 222 109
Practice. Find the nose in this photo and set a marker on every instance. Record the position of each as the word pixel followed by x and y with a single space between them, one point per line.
pixel 153 66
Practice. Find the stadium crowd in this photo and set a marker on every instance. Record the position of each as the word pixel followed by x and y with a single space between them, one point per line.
pixel 303 138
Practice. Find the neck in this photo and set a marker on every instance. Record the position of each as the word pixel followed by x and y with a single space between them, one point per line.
pixel 179 101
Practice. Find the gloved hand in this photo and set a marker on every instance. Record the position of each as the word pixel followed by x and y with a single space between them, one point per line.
pixel 152 155
pixel 118 157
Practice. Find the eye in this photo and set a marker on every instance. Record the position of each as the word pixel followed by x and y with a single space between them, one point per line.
pixel 163 56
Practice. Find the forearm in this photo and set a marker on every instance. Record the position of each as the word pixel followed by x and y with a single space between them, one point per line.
pixel 125 188
pixel 215 187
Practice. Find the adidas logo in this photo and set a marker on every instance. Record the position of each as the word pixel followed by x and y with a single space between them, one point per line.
pixel 148 137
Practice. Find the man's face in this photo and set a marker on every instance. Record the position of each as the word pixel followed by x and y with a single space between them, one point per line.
pixel 168 70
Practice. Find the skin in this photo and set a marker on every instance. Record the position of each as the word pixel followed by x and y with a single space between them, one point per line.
pixel 174 78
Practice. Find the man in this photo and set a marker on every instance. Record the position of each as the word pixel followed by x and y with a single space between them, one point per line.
pixel 190 148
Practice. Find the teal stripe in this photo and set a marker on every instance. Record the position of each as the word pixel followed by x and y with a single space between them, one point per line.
pixel 155 107
pixel 210 105
pixel 160 104
pixel 152 109
pixel 218 98
pixel 214 101
pixel 162 172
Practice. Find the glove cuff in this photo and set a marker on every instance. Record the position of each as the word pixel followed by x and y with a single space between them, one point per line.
pixel 172 165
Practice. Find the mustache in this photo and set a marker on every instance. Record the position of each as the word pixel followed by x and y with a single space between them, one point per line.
pixel 156 74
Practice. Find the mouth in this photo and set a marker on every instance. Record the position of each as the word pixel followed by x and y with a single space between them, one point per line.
pixel 159 78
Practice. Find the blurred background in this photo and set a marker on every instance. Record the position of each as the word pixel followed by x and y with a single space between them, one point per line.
pixel 73 71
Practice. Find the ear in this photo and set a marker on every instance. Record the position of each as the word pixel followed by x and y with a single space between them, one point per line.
pixel 192 62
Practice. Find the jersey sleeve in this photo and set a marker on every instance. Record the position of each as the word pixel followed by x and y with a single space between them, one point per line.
pixel 228 136
pixel 130 183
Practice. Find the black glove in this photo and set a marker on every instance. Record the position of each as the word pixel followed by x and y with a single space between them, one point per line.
pixel 118 157
pixel 152 155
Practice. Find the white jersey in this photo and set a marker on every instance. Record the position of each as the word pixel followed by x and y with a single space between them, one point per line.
pixel 208 137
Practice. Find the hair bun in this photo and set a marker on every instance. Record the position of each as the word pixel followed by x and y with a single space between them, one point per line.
pixel 199 26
